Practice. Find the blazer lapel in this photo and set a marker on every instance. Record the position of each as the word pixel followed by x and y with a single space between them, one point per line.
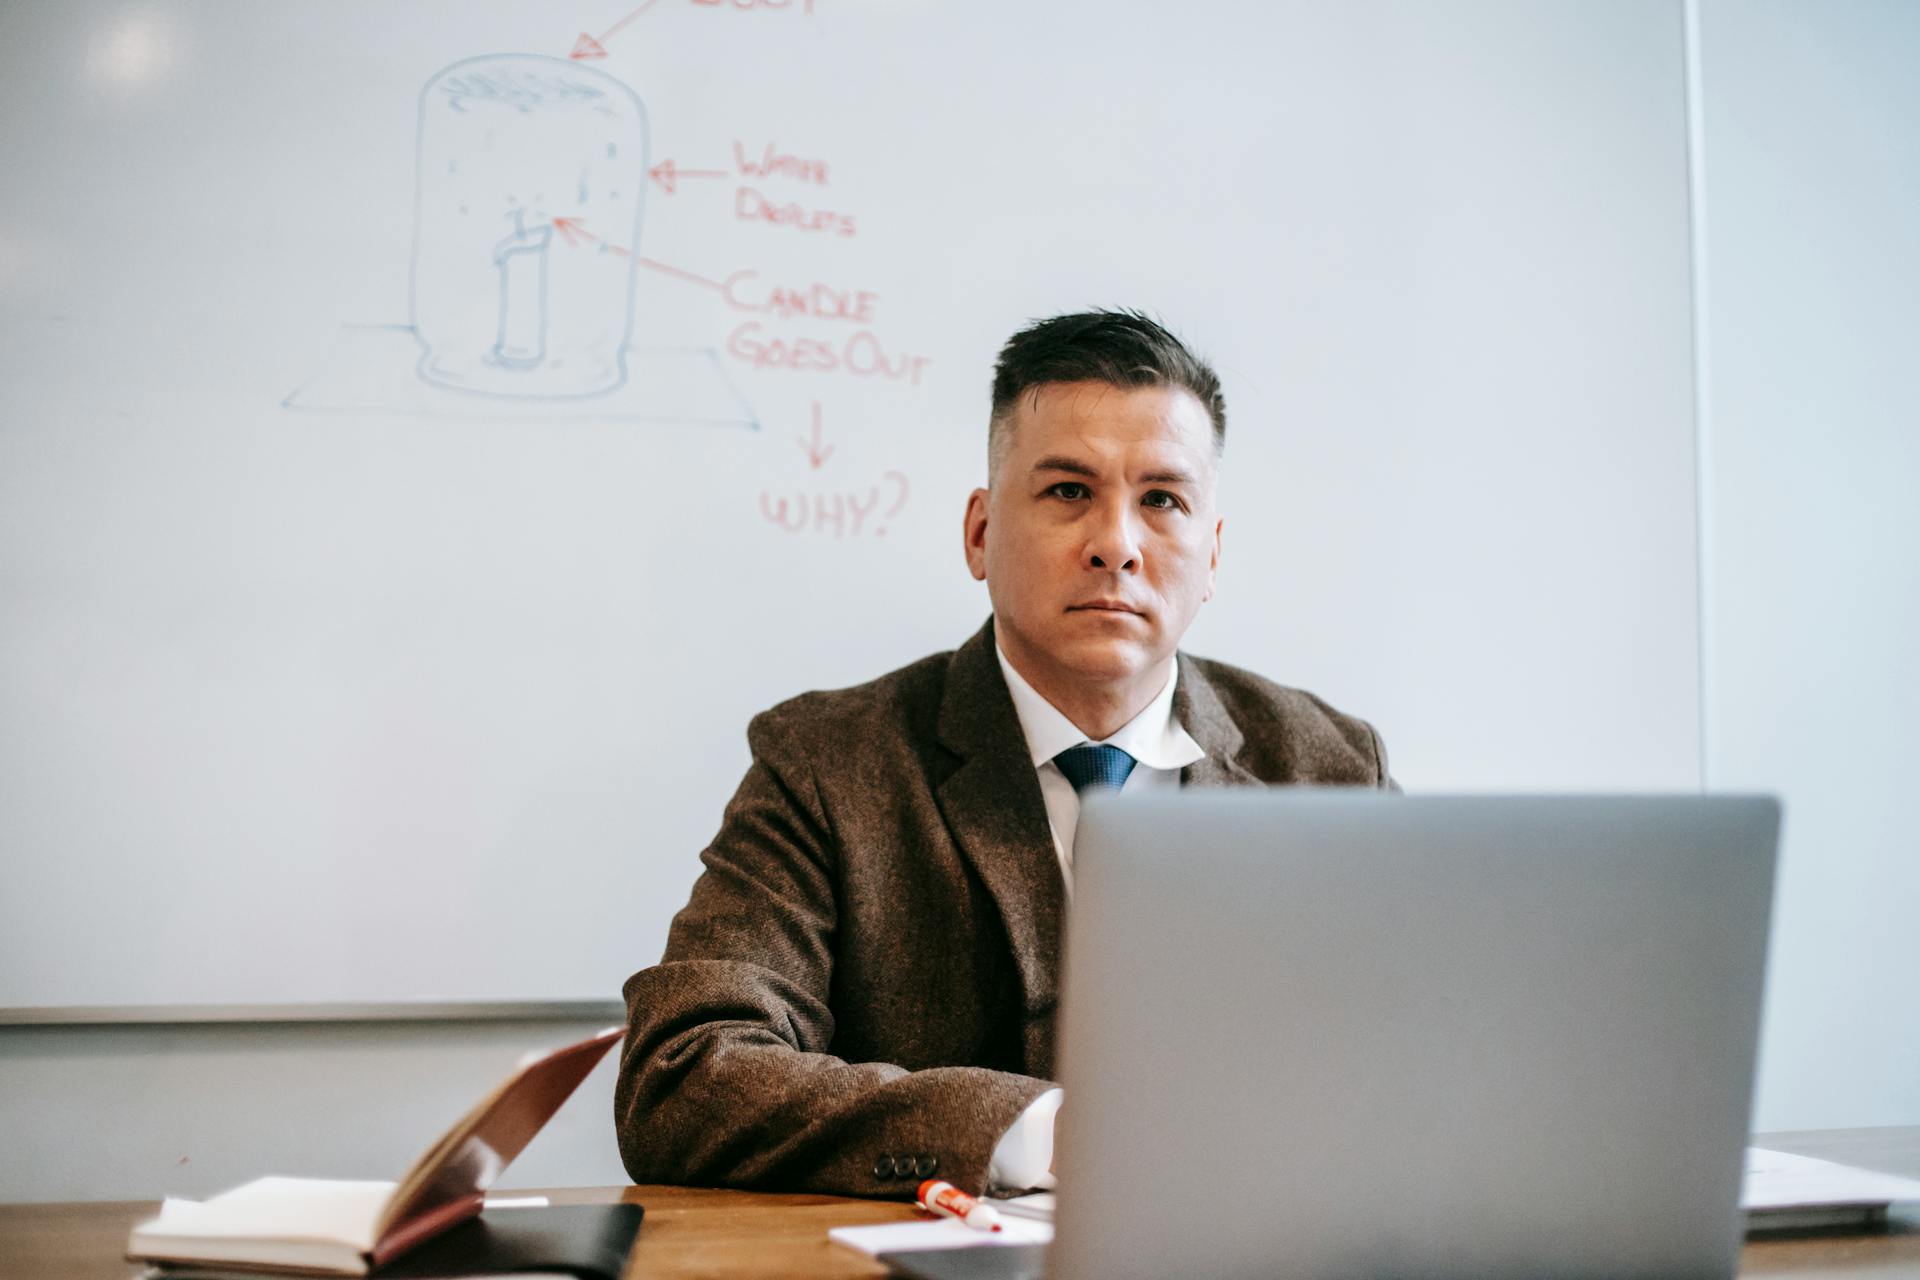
pixel 1199 710
pixel 993 807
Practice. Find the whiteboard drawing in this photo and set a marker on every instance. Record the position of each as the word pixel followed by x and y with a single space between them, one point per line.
pixel 530 181
pixel 510 147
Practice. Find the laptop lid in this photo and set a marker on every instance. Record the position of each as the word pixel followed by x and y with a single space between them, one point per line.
pixel 1336 1033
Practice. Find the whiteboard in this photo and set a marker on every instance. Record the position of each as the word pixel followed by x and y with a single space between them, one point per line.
pixel 422 449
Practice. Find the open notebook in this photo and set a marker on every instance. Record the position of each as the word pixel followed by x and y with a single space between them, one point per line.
pixel 310 1226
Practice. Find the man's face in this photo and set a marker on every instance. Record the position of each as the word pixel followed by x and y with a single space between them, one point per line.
pixel 1098 539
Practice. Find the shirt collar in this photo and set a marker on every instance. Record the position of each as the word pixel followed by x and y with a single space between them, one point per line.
pixel 1153 737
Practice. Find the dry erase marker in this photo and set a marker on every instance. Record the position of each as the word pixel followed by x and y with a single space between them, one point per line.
pixel 950 1201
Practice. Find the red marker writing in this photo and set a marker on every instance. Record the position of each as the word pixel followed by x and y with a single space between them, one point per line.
pixel 950 1201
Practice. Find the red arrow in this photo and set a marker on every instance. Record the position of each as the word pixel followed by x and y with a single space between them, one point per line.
pixel 588 47
pixel 817 453
pixel 666 173
pixel 677 273
pixel 575 233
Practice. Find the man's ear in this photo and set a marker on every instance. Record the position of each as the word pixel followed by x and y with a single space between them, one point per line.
pixel 1213 565
pixel 973 534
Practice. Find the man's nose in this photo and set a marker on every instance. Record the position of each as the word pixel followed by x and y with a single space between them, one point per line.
pixel 1113 541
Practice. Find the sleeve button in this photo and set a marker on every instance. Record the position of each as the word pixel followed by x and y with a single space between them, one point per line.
pixel 883 1168
pixel 925 1166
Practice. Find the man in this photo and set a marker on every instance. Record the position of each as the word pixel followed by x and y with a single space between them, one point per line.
pixel 860 993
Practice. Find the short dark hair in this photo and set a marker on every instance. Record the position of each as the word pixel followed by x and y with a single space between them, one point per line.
pixel 1120 348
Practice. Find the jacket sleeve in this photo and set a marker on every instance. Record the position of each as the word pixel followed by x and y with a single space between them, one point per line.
pixel 727 1076
pixel 1384 779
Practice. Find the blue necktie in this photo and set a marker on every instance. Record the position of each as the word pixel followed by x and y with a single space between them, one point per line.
pixel 1103 768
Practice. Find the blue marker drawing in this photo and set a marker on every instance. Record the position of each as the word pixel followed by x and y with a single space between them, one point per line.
pixel 510 147
pixel 530 180
pixel 522 261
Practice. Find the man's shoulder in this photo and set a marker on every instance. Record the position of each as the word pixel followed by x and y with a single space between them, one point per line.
pixel 1291 728
pixel 905 700
pixel 1241 690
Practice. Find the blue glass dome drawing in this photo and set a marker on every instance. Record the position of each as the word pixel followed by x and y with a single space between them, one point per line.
pixel 531 186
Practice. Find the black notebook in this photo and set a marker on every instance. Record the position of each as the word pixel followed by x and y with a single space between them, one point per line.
pixel 588 1241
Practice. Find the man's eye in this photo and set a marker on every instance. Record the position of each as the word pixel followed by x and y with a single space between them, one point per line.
pixel 1071 490
pixel 1161 500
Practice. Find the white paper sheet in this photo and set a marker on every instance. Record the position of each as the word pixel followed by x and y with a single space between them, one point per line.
pixel 1780 1180
pixel 1038 1204
pixel 939 1233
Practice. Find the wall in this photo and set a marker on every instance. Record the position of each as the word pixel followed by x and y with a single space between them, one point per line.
pixel 1812 559
pixel 137 1112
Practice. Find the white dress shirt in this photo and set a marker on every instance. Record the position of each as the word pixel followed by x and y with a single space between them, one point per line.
pixel 1161 748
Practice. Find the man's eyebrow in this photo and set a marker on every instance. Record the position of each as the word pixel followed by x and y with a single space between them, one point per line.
pixel 1074 467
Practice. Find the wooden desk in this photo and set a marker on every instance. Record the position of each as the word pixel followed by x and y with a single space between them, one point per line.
pixel 691 1232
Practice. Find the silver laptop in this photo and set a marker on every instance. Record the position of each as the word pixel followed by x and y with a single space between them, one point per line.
pixel 1326 1033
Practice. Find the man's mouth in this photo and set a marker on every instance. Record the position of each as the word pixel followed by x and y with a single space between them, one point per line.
pixel 1103 606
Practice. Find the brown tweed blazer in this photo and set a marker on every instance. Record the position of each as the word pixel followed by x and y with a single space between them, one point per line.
pixel 861 990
